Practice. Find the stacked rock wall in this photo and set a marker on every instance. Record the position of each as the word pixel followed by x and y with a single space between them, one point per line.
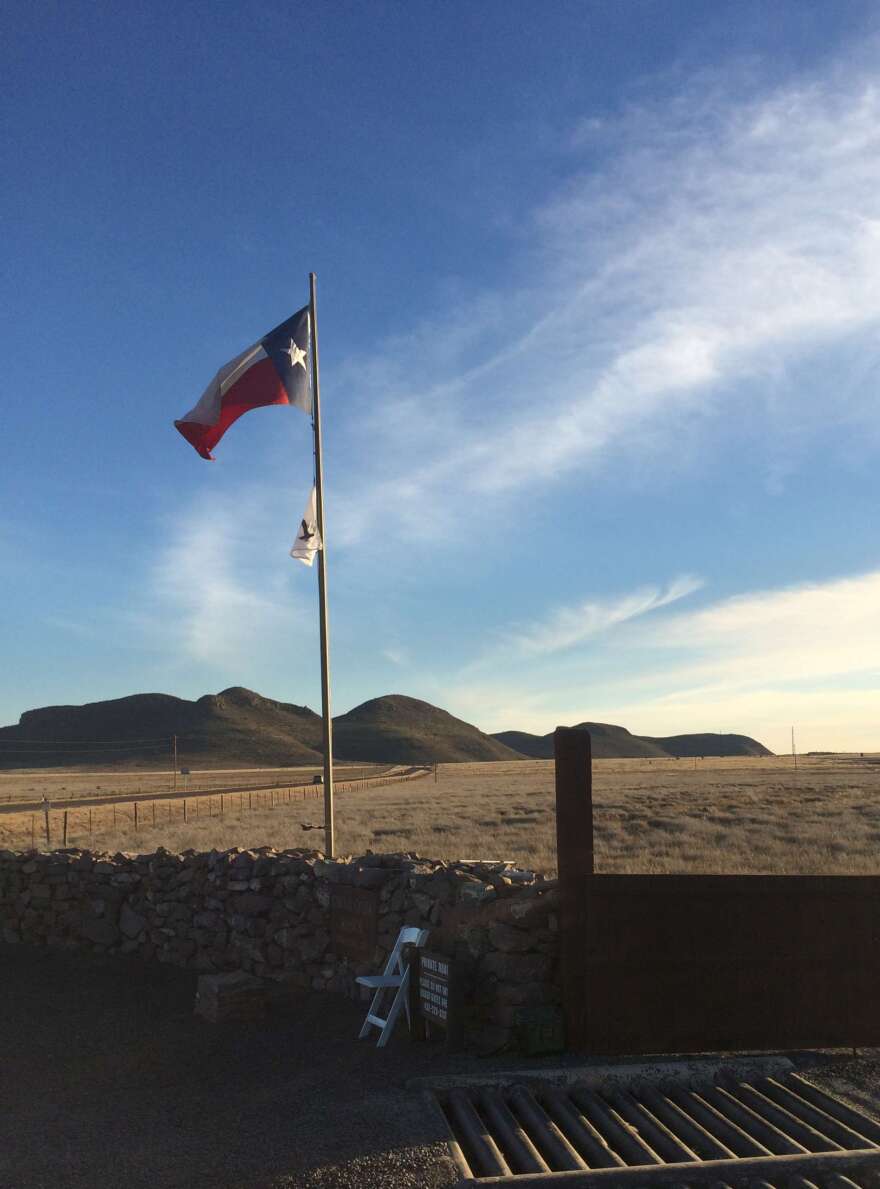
pixel 267 912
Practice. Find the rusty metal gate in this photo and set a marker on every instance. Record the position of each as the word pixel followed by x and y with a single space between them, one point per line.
pixel 688 963
pixel 724 1130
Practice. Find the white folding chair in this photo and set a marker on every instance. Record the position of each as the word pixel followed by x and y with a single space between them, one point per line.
pixel 395 976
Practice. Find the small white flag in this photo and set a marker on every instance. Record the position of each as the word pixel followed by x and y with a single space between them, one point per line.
pixel 308 539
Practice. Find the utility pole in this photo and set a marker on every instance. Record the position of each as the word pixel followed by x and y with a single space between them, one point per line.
pixel 793 749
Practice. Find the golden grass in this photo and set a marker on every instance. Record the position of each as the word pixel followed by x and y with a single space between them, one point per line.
pixel 725 815
pixel 60 785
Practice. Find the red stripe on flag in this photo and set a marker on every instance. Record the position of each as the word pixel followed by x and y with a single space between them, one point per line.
pixel 259 386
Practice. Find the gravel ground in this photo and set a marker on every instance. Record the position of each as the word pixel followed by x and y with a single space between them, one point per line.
pixel 854 1079
pixel 108 1080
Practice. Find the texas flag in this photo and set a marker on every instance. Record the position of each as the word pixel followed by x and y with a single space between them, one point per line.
pixel 274 371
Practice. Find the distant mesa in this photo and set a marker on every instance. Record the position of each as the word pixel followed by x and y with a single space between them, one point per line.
pixel 239 728
pixel 712 745
pixel 616 743
pixel 236 727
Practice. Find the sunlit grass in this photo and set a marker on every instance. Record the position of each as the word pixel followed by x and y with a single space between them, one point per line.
pixel 743 815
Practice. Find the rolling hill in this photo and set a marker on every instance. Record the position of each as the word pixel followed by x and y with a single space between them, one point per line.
pixel 233 727
pixel 238 727
pixel 616 743
pixel 609 743
pixel 711 745
pixel 398 729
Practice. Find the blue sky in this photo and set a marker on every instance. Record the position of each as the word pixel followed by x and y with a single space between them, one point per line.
pixel 599 295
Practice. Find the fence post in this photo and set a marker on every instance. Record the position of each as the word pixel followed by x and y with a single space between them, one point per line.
pixel 33 833
pixel 135 817
pixel 221 804
pixel 575 863
pixel 184 808
pixel 64 835
pixel 574 802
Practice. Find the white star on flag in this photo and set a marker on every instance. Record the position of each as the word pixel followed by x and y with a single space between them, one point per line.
pixel 297 355
pixel 308 539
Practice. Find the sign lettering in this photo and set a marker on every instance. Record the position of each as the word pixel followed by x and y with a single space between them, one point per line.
pixel 437 999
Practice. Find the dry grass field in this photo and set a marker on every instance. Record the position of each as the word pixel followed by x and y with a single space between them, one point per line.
pixel 59 785
pixel 715 815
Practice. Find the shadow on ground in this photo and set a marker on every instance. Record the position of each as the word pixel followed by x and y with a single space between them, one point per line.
pixel 109 1079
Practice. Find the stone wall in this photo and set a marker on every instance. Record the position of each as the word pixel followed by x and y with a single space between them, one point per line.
pixel 267 912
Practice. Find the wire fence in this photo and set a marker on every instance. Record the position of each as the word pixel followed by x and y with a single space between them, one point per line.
pixel 162 783
pixel 53 827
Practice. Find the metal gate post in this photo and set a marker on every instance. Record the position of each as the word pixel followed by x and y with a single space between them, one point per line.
pixel 574 803
pixel 574 859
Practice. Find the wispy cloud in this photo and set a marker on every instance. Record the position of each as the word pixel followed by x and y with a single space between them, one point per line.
pixel 397 656
pixel 214 586
pixel 809 633
pixel 710 242
pixel 566 627
pixel 756 663
pixel 703 250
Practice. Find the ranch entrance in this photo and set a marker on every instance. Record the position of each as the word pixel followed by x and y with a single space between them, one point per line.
pixel 691 963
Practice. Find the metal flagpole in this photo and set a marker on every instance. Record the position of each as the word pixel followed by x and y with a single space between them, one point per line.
pixel 329 833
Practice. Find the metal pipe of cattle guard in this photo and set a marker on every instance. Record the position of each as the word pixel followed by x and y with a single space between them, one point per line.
pixel 845 1136
pixel 617 1133
pixel 662 1140
pixel 551 1139
pixel 482 1151
pixel 521 1153
pixel 862 1167
pixel 704 1143
pixel 835 1107
pixel 812 1140
pixel 708 1116
pixel 580 1130
pixel 770 1136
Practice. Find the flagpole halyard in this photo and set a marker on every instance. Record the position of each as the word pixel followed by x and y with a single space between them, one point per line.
pixel 329 831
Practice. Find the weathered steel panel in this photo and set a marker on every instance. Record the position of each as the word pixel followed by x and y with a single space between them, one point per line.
pixel 687 963
pixel 684 963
